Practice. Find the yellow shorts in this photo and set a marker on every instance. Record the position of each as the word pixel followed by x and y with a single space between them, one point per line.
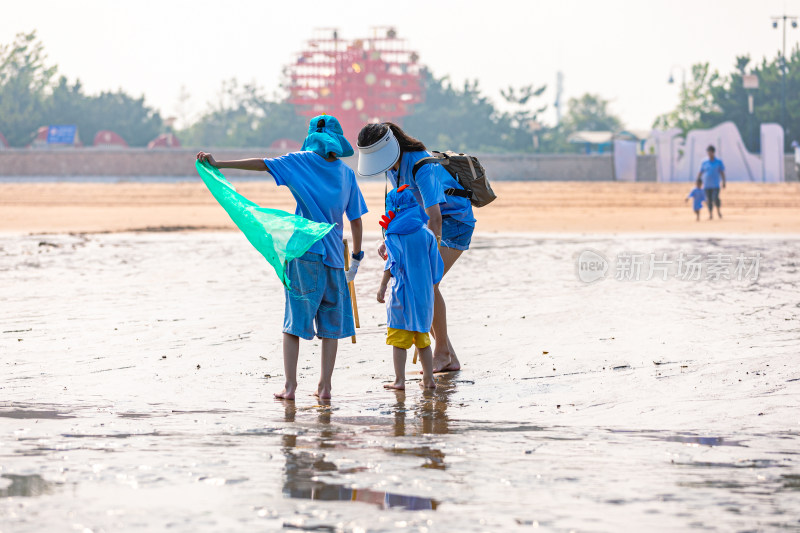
pixel 401 338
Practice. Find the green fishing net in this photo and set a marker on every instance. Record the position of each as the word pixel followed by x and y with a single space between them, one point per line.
pixel 279 236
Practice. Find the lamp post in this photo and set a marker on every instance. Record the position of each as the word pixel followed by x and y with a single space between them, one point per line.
pixel 671 80
pixel 775 21
pixel 750 84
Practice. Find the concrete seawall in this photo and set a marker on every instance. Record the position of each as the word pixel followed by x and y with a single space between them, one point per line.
pixel 174 164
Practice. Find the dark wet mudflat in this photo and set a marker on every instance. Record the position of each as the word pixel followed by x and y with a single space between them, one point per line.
pixel 138 372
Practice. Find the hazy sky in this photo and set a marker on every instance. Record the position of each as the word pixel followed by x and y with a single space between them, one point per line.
pixel 621 49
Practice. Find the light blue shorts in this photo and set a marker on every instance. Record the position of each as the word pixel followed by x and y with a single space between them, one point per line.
pixel 455 234
pixel 319 297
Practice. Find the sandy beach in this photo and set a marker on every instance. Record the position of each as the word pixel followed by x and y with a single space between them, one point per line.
pixel 544 207
pixel 140 348
pixel 138 372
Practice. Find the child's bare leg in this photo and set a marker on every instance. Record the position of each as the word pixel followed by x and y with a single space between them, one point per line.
pixel 328 360
pixel 399 356
pixel 291 349
pixel 426 358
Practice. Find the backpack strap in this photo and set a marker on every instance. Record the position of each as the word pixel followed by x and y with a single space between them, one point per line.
pixel 458 192
pixel 440 158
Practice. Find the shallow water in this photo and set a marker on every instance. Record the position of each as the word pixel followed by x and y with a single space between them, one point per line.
pixel 138 369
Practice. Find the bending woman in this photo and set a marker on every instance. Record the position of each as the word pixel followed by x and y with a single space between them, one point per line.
pixel 387 148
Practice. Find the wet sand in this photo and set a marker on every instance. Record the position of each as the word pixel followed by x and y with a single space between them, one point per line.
pixel 572 207
pixel 138 372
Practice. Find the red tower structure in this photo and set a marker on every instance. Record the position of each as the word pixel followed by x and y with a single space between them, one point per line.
pixel 358 81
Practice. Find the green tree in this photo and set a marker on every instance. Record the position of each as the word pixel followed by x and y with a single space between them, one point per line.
pixel 524 116
pixel 24 84
pixel 730 102
pixel 711 99
pixel 730 99
pixel 696 101
pixel 130 117
pixel 244 116
pixel 29 99
pixel 460 119
pixel 589 113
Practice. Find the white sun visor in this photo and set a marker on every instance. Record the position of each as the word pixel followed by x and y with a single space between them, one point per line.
pixel 379 157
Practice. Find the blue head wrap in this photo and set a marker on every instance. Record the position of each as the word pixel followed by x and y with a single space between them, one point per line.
pixel 409 216
pixel 325 136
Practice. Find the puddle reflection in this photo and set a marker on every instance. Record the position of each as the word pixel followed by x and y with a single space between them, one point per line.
pixel 32 411
pixel 429 414
pixel 686 438
pixel 702 441
pixel 428 417
pixel 304 464
pixel 23 486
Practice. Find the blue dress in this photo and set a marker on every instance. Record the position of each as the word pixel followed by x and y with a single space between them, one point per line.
pixel 415 264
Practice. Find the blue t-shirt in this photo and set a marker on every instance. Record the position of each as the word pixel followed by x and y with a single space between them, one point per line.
pixel 710 171
pixel 325 192
pixel 698 195
pixel 416 267
pixel 429 186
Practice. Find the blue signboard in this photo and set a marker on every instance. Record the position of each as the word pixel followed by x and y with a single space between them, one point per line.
pixel 61 134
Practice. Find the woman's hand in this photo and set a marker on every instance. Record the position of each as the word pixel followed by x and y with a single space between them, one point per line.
pixel 382 251
pixel 208 158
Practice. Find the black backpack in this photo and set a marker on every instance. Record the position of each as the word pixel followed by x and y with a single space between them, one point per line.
pixel 467 171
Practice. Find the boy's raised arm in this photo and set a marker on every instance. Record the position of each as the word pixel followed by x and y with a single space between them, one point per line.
pixel 255 164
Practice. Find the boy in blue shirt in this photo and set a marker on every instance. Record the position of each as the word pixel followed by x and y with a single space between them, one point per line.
pixel 698 194
pixel 325 190
pixel 414 265
pixel 712 172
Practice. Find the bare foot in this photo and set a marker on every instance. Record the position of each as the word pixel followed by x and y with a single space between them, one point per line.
pixel 287 393
pixel 445 363
pixel 323 393
pixel 427 384
pixel 397 385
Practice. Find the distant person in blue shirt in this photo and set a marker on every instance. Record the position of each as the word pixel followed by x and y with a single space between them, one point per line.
pixel 414 266
pixel 711 172
pixel 698 194
pixel 387 148
pixel 325 190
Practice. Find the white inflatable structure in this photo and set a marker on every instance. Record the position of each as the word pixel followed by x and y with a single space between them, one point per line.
pixel 679 159
pixel 625 160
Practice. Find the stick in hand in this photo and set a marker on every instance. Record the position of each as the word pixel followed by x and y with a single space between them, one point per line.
pixel 352 286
